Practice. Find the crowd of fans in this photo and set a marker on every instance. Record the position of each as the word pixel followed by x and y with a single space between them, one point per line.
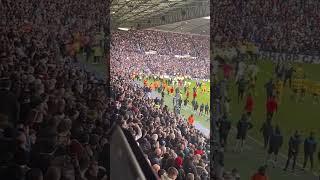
pixel 279 26
pixel 53 113
pixel 174 149
pixel 163 62
pixel 165 43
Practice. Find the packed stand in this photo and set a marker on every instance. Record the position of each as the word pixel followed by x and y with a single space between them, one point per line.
pixel 159 64
pixel 279 26
pixel 174 149
pixel 165 43
pixel 52 112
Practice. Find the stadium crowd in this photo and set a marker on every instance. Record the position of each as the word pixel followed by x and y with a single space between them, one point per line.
pixel 278 26
pixel 164 61
pixel 165 43
pixel 53 113
pixel 174 148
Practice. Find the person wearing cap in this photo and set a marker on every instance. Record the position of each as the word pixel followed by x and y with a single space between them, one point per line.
pixel 293 151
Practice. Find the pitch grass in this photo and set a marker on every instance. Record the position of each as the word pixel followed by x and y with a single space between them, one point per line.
pixel 291 116
pixel 187 111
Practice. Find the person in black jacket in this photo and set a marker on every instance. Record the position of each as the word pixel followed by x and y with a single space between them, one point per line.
pixel 242 128
pixel 224 126
pixel 293 151
pixel 266 131
pixel 310 146
pixel 276 141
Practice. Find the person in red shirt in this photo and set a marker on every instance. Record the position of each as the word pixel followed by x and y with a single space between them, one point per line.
pixel 199 151
pixel 191 120
pixel 227 70
pixel 194 95
pixel 272 106
pixel 260 175
pixel 249 104
pixel 171 90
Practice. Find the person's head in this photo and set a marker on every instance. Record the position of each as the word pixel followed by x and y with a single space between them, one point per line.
pixel 156 168
pixel 34 174
pixel 158 152
pixel 190 176
pixel 161 172
pixel 262 170
pixel 234 171
pixel 93 169
pixel 173 173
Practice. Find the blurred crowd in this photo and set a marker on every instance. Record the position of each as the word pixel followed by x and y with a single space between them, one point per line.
pixel 53 113
pixel 133 45
pixel 279 26
pixel 173 148
pixel 165 43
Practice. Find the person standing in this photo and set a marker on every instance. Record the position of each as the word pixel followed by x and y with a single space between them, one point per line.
pixel 288 75
pixel 224 126
pixel 191 120
pixel 227 70
pixel 249 105
pixel 275 144
pixel 269 88
pixel 242 85
pixel 206 109
pixel 242 129
pixel 201 109
pixel 294 144
pixel 266 131
pixel 186 102
pixel 271 106
pixel 194 94
pixel 310 146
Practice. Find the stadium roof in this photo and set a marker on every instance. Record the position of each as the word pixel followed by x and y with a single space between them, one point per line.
pixel 168 15
pixel 193 26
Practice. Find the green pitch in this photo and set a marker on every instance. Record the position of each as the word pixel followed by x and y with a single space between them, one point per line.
pixel 202 98
pixel 291 116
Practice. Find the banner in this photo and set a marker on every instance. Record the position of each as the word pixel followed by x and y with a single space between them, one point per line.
pixel 300 58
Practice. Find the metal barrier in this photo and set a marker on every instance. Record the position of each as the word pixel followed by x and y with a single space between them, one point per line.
pixel 127 161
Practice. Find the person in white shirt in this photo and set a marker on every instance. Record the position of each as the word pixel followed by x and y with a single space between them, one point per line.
pixel 241 70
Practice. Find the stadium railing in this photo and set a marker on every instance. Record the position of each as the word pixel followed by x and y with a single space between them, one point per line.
pixel 126 159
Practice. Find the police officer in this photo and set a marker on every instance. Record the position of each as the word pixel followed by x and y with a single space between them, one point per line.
pixel 293 151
